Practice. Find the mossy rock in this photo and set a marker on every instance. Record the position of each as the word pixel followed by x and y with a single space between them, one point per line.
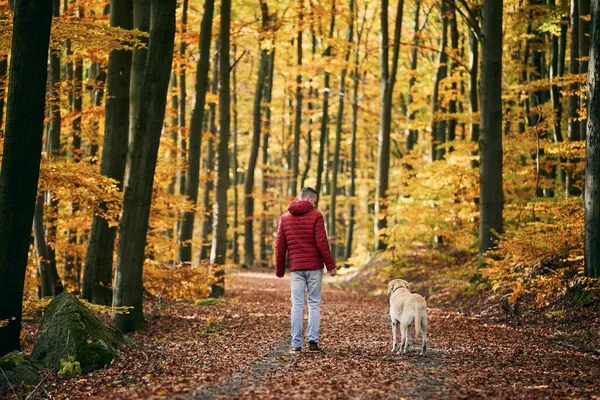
pixel 17 370
pixel 68 328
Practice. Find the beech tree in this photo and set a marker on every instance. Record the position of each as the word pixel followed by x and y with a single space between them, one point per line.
pixel 97 281
pixel 142 164
pixel 592 153
pixel 490 140
pixel 21 157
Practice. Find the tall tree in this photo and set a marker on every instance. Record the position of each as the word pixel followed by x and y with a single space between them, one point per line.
pixel 438 126
pixel 186 228
pixel 452 104
pixel 21 157
pixel 592 153
pixel 263 71
pixel 573 131
pixel 412 133
pixel 298 118
pixel 388 80
pixel 490 140
pixel 209 163
pixel 219 237
pixel 97 280
pixel 142 164
pixel 141 22
pixel 584 51
pixel 325 108
pixel 338 133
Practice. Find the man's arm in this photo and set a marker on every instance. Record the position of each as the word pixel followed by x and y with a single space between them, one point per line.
pixel 323 243
pixel 280 251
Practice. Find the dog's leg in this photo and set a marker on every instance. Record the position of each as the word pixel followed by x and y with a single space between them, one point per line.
pixel 424 333
pixel 394 334
pixel 403 333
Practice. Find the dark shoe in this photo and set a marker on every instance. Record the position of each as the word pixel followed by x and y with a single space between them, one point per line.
pixel 295 350
pixel 313 347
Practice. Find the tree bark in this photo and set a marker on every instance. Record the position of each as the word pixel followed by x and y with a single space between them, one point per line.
pixel 263 70
pixel 412 134
pixel 573 133
pixel 592 154
pixel 438 126
pixel 554 90
pixel 209 164
pixel 323 142
pixel 235 256
pixel 186 228
pixel 21 157
pixel 141 21
pixel 219 239
pixel 388 80
pixel 454 66
pixel 584 51
pixel 490 141
pixel 338 137
pixel 142 164
pixel 298 118
pixel 97 281
pixel 473 87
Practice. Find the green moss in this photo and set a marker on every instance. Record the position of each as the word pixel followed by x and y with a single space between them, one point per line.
pixel 17 369
pixel 69 368
pixel 68 328
pixel 211 301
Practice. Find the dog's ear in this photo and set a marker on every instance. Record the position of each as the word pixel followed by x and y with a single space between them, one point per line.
pixel 390 286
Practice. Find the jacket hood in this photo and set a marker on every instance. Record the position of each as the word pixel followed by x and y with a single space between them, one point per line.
pixel 300 207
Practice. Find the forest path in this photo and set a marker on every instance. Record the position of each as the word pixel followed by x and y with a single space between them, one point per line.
pixel 239 349
pixel 467 358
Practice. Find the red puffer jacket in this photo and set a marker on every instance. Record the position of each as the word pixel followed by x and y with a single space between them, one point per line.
pixel 301 233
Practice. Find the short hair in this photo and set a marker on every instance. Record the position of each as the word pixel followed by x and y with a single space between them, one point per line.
pixel 307 192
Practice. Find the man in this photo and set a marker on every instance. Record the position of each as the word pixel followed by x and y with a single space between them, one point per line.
pixel 301 234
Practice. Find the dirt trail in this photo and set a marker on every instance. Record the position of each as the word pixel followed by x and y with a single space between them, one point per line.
pixel 467 357
pixel 239 349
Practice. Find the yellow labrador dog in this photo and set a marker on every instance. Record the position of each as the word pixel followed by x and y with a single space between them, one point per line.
pixel 407 308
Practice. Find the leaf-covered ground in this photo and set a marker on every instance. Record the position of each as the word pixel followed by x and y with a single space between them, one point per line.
pixel 239 349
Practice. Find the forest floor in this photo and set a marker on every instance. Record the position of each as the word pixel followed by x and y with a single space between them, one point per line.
pixel 239 348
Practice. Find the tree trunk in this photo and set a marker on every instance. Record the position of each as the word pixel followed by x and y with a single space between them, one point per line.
pixel 235 256
pixel 573 125
pixel 263 70
pixel 209 164
pixel 584 50
pixel 182 94
pixel 142 164
pixel 554 90
pixel 592 154
pixel 97 280
pixel 473 87
pixel 298 119
pixel 490 141
pixel 264 245
pixel 21 157
pixel 219 239
pixel 186 229
pixel 141 21
pixel 438 126
pixel 338 137
pixel 454 45
pixel 412 134
pixel 325 115
pixel 388 80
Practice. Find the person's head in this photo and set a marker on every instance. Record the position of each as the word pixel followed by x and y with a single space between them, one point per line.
pixel 308 194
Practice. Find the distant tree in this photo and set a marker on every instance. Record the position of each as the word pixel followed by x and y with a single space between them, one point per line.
pixel 438 126
pixel 142 164
pixel 388 80
pixel 219 236
pixel 584 52
pixel 186 228
pixel 21 157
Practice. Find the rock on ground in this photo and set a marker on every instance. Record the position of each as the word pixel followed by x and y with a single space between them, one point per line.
pixel 16 369
pixel 68 328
